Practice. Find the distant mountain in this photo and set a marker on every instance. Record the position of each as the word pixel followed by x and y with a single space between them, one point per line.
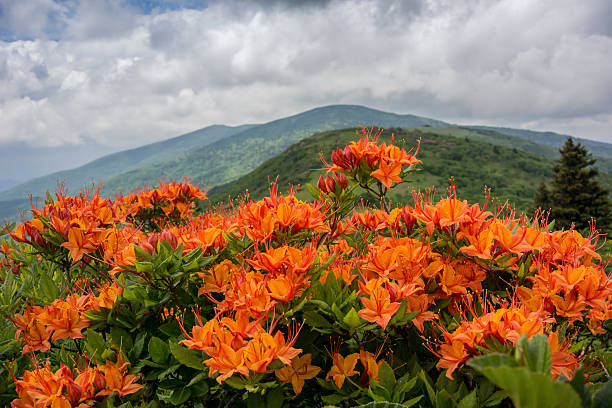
pixel 5 184
pixel 218 154
pixel 230 158
pixel 600 149
pixel 23 162
pixel 117 163
pixel 474 163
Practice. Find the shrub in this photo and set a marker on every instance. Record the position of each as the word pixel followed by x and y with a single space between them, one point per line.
pixel 139 302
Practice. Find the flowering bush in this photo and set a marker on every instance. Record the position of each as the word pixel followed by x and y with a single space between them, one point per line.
pixel 138 301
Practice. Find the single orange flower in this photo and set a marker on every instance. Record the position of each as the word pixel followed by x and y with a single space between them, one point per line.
pixel 388 174
pixel 343 367
pixel 299 370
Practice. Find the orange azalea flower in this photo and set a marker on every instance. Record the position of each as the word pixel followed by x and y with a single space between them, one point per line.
pixel 451 356
pixel 388 174
pixel 36 338
pixel 479 246
pixel 78 244
pixel 378 308
pixel 368 360
pixel 108 296
pixel 116 379
pixel 343 367
pixel 227 361
pixel 68 324
pixel 257 355
pixel 216 279
pixel 281 289
pixel 299 370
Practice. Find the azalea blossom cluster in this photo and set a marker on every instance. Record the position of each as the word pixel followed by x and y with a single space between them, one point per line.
pixel 80 387
pixel 281 291
pixel 39 326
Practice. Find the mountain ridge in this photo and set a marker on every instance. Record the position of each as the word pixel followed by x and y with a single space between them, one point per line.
pixel 230 152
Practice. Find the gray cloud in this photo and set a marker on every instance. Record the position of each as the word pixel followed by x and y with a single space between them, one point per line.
pixel 105 71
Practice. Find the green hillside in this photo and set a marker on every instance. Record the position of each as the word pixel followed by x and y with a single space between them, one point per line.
pixel 232 157
pixel 551 143
pixel 551 138
pixel 511 174
pixel 117 163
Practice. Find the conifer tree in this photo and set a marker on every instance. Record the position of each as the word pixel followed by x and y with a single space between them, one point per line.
pixel 575 195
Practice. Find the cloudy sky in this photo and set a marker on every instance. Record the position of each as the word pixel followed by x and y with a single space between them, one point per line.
pixel 122 73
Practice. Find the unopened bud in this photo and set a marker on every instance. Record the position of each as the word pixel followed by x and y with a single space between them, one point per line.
pixel 321 185
pixel 342 180
pixel 99 381
pixel 331 183
pixel 74 393
pixel 170 238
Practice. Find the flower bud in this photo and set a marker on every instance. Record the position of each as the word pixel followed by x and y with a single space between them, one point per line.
pixel 99 381
pixel 331 183
pixel 74 394
pixel 153 240
pixel 342 180
pixel 170 238
pixel 321 185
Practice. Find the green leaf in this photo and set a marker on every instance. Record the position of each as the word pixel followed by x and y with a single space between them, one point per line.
pixel 529 389
pixel 314 192
pixel 94 343
pixel 121 338
pixel 179 396
pixel 578 384
pixel 138 346
pixel 314 319
pixel 275 398
pixel 536 352
pixel 495 398
pixel 444 400
pixel 141 254
pixel 469 401
pixel 404 385
pixel 492 360
pixel 235 382
pixel 199 388
pixel 386 377
pixel 333 399
pixel 187 357
pixel 384 404
pixel 603 398
pixel 427 381
pixel 412 401
pixel 197 379
pixel 159 350
pixel 171 328
pixel 352 319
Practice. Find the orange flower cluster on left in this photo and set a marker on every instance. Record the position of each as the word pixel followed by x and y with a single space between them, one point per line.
pixel 62 319
pixel 81 387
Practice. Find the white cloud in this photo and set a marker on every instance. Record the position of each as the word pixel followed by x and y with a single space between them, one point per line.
pixel 101 70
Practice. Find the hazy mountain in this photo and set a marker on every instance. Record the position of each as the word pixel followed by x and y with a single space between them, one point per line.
pixel 5 184
pixel 120 162
pixel 230 158
pixel 600 149
pixel 22 162
pixel 219 154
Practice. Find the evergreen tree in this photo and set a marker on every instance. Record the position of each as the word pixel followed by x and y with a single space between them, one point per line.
pixel 575 195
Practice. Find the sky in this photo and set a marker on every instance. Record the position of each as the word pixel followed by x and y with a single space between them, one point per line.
pixel 116 74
